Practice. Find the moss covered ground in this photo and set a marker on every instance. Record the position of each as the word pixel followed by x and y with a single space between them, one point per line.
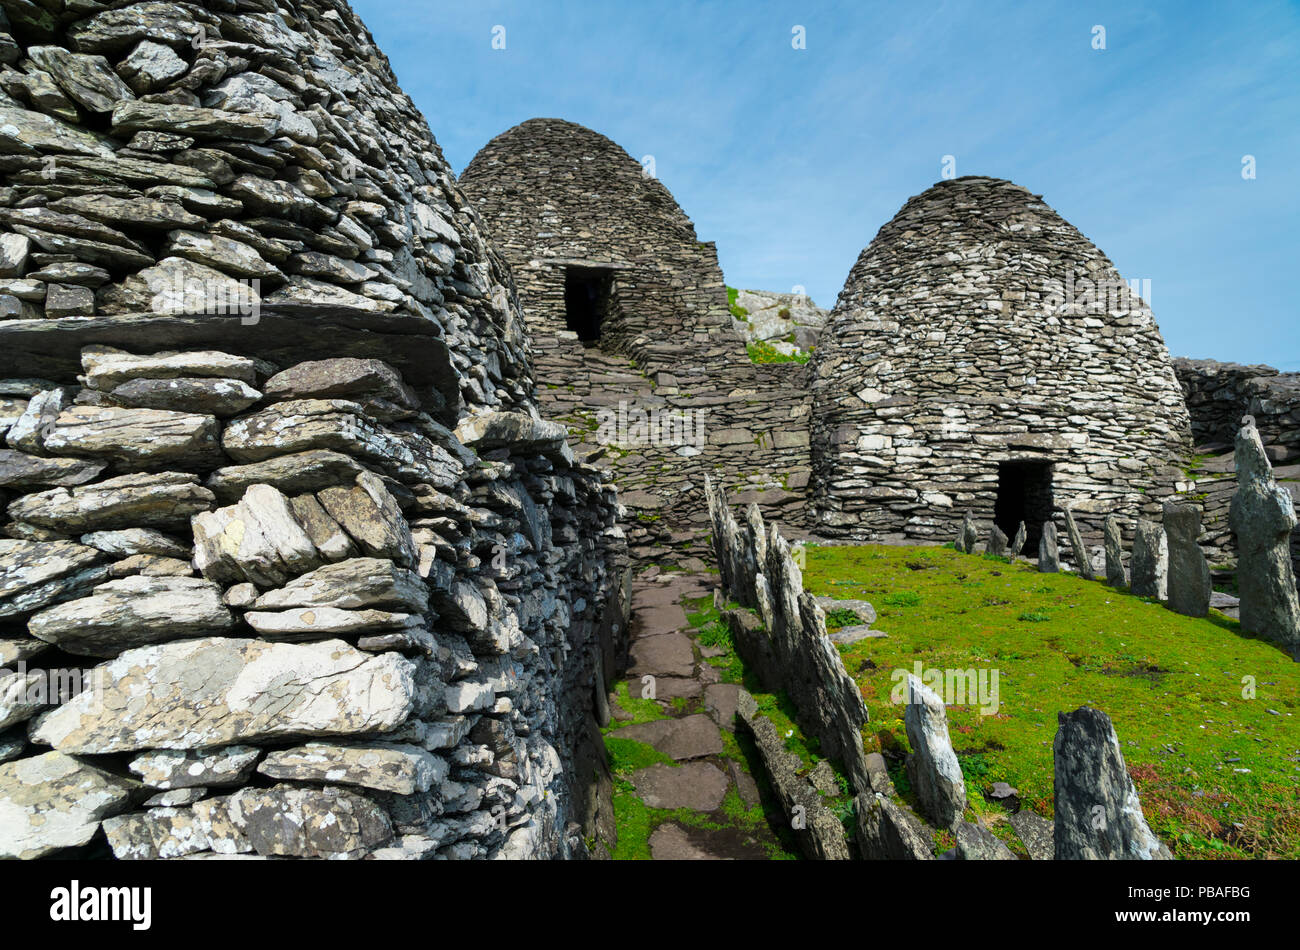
pixel 1206 715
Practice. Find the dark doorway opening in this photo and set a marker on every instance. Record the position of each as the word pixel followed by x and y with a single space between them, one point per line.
pixel 1024 494
pixel 588 301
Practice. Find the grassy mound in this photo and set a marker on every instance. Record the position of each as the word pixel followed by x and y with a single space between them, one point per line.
pixel 1206 716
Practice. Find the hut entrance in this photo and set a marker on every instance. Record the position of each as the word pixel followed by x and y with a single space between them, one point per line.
pixel 588 301
pixel 1024 494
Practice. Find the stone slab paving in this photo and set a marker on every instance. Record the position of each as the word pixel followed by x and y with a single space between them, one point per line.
pixel 699 708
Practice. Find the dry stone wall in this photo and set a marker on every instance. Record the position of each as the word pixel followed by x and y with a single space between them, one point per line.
pixel 279 505
pixel 559 199
pixel 980 333
pixel 1219 397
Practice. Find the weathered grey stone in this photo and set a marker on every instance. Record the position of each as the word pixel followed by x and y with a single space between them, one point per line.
pixel 23 132
pixel 1150 567
pixel 14 249
pixel 34 574
pixel 1263 516
pixel 154 834
pixel 194 768
pixel 216 397
pixel 164 500
pixel 151 66
pixel 967 535
pixel 1036 833
pixel 383 766
pixel 977 843
pixel 199 693
pixel 50 802
pixel 303 424
pixel 320 623
pixel 29 432
pixel 135 438
pixel 87 79
pixel 137 211
pixel 22 471
pixel 177 285
pixel 370 515
pixel 1098 815
pixel 888 832
pixel 136 116
pixel 107 368
pixel 1018 542
pixel 1049 552
pixel 21 697
pixel 1189 572
pixel 256 540
pixel 307 823
pixel 1079 550
pixel 133 612
pixel 932 766
pixel 1115 574
pixel 491 430
pixel 133 541
pixel 292 474
pixel 224 254
pixel 344 377
pixel 326 533
pixel 997 543
pixel 355 583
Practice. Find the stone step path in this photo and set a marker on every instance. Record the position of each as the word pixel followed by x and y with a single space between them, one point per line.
pixel 668 664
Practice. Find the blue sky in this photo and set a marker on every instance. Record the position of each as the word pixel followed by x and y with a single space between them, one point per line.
pixel 791 160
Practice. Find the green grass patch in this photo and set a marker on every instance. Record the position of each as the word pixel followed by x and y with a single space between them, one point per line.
pixel 1217 767
pixel 761 351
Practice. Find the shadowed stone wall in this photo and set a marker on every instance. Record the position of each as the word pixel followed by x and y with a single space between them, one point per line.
pixel 337 588
pixel 963 339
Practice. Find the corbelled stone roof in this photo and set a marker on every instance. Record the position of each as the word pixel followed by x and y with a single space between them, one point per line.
pixel 963 337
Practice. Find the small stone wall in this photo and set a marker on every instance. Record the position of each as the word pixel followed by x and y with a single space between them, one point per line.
pixel 791 651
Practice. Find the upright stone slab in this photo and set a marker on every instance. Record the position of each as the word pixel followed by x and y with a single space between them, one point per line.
pixel 1115 575
pixel 1082 561
pixel 1150 568
pixel 1189 572
pixel 967 536
pixel 1018 542
pixel 932 767
pixel 997 543
pixel 1049 552
pixel 1263 516
pixel 1098 815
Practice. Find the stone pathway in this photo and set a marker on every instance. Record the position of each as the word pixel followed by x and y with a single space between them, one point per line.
pixel 669 666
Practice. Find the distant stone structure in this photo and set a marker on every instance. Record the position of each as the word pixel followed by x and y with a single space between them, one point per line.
pixel 635 348
pixel 1218 396
pixel 983 354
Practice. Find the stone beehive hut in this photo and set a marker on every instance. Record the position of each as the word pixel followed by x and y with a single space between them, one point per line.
pixel 628 315
pixel 985 356
pixel 290 563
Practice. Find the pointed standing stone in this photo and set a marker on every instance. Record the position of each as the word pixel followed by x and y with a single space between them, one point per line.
pixel 967 536
pixel 1189 574
pixel 1115 576
pixel 1049 553
pixel 1262 517
pixel 997 543
pixel 1018 542
pixel 1098 815
pixel 932 767
pixel 1082 562
pixel 1150 568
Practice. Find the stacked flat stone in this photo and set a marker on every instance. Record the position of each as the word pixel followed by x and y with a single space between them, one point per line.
pixel 329 606
pixel 1218 396
pixel 945 355
pixel 553 195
